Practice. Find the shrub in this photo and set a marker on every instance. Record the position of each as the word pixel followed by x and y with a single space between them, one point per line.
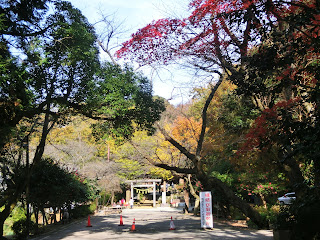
pixel 17 214
pixel 83 210
pixel 20 228
pixel 284 219
pixel 268 215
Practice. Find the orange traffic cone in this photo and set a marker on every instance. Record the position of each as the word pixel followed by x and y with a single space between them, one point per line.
pixel 172 226
pixel 133 227
pixel 121 221
pixel 89 222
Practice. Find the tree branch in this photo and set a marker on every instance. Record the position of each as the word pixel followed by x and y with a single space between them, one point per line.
pixel 176 169
pixel 182 149
pixel 204 115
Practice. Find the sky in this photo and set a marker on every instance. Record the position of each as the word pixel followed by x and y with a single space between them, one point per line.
pixel 136 14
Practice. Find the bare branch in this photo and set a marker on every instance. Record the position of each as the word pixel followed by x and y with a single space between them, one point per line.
pixel 111 29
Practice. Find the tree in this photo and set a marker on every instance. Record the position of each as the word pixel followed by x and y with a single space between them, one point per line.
pixel 60 77
pixel 217 37
pixel 289 82
pixel 57 73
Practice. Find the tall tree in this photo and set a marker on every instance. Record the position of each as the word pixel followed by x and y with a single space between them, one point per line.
pixel 59 74
pixel 218 37
pixel 56 73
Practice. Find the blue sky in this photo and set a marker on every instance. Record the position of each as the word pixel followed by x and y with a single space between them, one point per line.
pixel 136 14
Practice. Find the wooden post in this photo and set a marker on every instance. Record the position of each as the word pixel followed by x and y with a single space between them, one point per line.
pixel 128 194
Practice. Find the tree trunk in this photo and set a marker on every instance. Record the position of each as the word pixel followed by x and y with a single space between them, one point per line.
pixel 186 200
pixel 5 214
pixel 54 215
pixel 112 197
pixel 36 214
pixel 44 217
pixel 2 220
pixel 264 202
pixel 196 209
pixel 196 206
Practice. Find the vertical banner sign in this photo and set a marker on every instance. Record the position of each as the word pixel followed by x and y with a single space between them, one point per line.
pixel 206 210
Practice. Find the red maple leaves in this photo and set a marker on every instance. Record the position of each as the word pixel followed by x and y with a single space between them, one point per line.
pixel 213 30
pixel 266 126
pixel 151 43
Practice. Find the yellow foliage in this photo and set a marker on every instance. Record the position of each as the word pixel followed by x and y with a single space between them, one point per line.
pixel 186 131
pixel 160 173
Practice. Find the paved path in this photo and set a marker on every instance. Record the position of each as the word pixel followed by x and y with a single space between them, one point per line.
pixel 151 224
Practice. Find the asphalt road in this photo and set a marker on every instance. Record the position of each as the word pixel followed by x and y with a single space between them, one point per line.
pixel 150 224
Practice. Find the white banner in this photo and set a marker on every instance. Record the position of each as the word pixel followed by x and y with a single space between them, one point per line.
pixel 164 197
pixel 206 210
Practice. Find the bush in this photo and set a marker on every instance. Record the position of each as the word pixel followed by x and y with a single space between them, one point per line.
pixel 83 210
pixel 20 228
pixel 17 214
pixel 268 215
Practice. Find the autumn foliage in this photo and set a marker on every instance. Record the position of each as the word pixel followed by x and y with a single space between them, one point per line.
pixel 268 125
pixel 213 30
pixel 270 51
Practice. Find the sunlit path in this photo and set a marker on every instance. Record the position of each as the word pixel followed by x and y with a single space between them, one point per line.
pixel 151 224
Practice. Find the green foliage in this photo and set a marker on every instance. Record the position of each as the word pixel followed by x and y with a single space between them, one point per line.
pixel 221 166
pixel 237 112
pixel 20 228
pixel 50 184
pixel 63 66
pixel 60 74
pixel 83 210
pixel 268 214
pixel 18 15
pixel 226 178
pixel 126 100
pixel 17 214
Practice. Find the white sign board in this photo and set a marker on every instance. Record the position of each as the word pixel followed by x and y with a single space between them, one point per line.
pixel 206 210
pixel 164 197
